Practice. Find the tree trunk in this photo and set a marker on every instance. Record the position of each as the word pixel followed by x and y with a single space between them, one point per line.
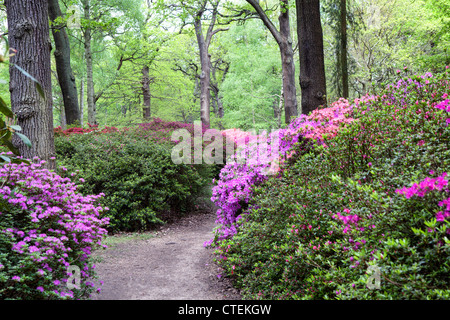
pixel 287 62
pixel 92 112
pixel 29 35
pixel 205 76
pixel 312 66
pixel 63 118
pixel 278 108
pixel 343 47
pixel 219 107
pixel 146 92
pixel 81 103
pixel 62 58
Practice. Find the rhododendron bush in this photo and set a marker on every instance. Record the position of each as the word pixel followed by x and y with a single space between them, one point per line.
pixel 237 179
pixel 133 168
pixel 46 227
pixel 370 199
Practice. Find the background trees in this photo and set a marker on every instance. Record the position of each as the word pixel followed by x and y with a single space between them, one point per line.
pixel 65 75
pixel 283 37
pixel 132 60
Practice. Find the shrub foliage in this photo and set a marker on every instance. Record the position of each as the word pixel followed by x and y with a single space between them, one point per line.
pixel 134 169
pixel 46 226
pixel 376 194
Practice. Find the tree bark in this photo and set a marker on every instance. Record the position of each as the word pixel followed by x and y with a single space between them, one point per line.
pixel 343 47
pixel 63 118
pixel 205 76
pixel 284 41
pixel 29 35
pixel 312 66
pixel 287 61
pixel 66 77
pixel 146 92
pixel 81 102
pixel 90 91
pixel 203 42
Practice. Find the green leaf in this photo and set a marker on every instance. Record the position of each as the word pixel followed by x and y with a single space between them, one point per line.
pixel 16 128
pixel 40 90
pixel 24 139
pixel 5 158
pixel 5 110
pixel 11 147
pixel 19 161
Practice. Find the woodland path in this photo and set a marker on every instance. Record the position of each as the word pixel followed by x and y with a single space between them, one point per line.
pixel 167 264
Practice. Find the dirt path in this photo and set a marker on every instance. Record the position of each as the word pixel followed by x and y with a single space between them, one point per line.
pixel 171 264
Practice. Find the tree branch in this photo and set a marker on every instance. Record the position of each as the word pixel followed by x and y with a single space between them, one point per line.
pixel 265 19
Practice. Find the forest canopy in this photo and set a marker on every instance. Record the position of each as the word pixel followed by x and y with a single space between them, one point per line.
pixel 137 42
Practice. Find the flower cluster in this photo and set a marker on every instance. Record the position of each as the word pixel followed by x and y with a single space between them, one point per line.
pixel 252 165
pixel 75 130
pixel 428 185
pixel 444 105
pixel 50 226
pixel 424 186
pixel 295 245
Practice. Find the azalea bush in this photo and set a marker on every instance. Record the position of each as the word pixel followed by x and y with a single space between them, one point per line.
pixel 46 227
pixel 134 170
pixel 249 168
pixel 406 240
pixel 59 131
pixel 373 193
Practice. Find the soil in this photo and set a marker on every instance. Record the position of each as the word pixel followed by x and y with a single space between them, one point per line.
pixel 170 263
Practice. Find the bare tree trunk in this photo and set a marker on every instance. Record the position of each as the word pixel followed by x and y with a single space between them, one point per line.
pixel 287 61
pixel 205 76
pixel 62 115
pixel 218 104
pixel 280 108
pixel 312 66
pixel 81 102
pixel 146 92
pixel 66 77
pixel 29 35
pixel 203 42
pixel 343 47
pixel 196 89
pixel 92 112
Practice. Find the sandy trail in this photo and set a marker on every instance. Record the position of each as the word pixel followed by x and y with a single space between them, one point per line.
pixel 171 265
